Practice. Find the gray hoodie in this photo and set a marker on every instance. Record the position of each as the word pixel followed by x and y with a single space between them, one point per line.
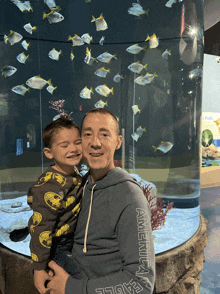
pixel 113 248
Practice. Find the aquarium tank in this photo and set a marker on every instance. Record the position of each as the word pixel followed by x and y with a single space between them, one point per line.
pixel 142 60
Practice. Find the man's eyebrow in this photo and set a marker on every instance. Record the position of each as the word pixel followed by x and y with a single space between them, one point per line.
pixel 90 129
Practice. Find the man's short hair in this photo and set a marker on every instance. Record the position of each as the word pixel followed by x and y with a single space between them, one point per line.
pixel 54 126
pixel 102 111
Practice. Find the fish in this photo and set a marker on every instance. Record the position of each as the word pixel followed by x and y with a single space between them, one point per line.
pixel 25 45
pixel 13 38
pixel 140 131
pixel 27 6
pixel 20 89
pixel 53 16
pixel 135 109
pixel 170 3
pixel 88 55
pixel 101 104
pixel 54 54
pixel 101 24
pixel 8 70
pixel 163 146
pixel 150 77
pixel 22 57
pixel 56 116
pixel 137 9
pixel 137 67
pixel 77 41
pixel 92 59
pixel 23 6
pixel 106 57
pixel 51 88
pixel 218 59
pixel 141 80
pixel 101 41
pixel 50 3
pixel 135 49
pixel 88 1
pixel 86 93
pixel 117 78
pixel 102 72
pixel 166 53
pixel 86 38
pixel 104 90
pixel 195 73
pixel 37 82
pixel 153 41
pixel 28 27
pixel 72 56
pixel 135 136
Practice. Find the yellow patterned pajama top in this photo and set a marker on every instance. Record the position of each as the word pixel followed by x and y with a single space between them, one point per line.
pixel 56 201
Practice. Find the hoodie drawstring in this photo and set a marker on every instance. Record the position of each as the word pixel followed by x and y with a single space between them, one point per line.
pixel 87 225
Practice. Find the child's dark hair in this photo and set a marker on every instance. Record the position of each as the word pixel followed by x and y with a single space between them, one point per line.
pixel 54 126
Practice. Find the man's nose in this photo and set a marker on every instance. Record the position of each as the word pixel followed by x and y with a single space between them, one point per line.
pixel 95 143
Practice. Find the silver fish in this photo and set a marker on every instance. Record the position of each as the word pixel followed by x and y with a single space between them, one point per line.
pixel 91 60
pixel 28 27
pixel 166 53
pixel 195 73
pixel 140 131
pixel 135 109
pixel 102 72
pixel 88 55
pixel 86 93
pixel 86 38
pixel 72 56
pixel 135 136
pixel 37 82
pixel 51 88
pixel 137 67
pixel 141 80
pixel 50 3
pixel 170 3
pixel 25 45
pixel 101 104
pixel 22 57
pixel 20 89
pixel 27 5
pixel 106 57
pixel 150 77
pixel 12 38
pixel 77 41
pixel 117 78
pixel 56 117
pixel 164 147
pixel 54 54
pixel 135 49
pixel 101 41
pixel 137 9
pixel 104 90
pixel 23 6
pixel 53 17
pixel 153 41
pixel 8 70
pixel 101 24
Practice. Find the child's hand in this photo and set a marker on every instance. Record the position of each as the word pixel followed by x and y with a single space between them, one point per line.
pixel 40 277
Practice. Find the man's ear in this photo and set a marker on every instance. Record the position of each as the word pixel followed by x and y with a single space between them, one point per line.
pixel 47 153
pixel 119 142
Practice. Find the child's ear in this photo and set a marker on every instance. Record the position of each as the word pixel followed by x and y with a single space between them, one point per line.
pixel 47 153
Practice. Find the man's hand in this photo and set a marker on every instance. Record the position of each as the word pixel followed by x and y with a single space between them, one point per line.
pixel 40 278
pixel 57 282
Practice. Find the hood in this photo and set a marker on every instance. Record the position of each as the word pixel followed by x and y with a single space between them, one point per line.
pixel 115 176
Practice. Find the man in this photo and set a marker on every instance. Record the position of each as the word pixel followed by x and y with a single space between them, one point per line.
pixel 113 249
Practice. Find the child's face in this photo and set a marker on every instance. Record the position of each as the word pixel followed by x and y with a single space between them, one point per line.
pixel 66 149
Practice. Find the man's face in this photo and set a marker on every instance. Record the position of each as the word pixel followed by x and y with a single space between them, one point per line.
pixel 99 141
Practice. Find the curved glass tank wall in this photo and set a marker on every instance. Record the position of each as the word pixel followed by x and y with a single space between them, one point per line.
pixel 161 132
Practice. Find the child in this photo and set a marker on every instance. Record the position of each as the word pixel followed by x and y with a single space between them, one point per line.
pixel 55 198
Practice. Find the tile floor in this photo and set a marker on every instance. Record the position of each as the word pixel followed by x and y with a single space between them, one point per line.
pixel 210 209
